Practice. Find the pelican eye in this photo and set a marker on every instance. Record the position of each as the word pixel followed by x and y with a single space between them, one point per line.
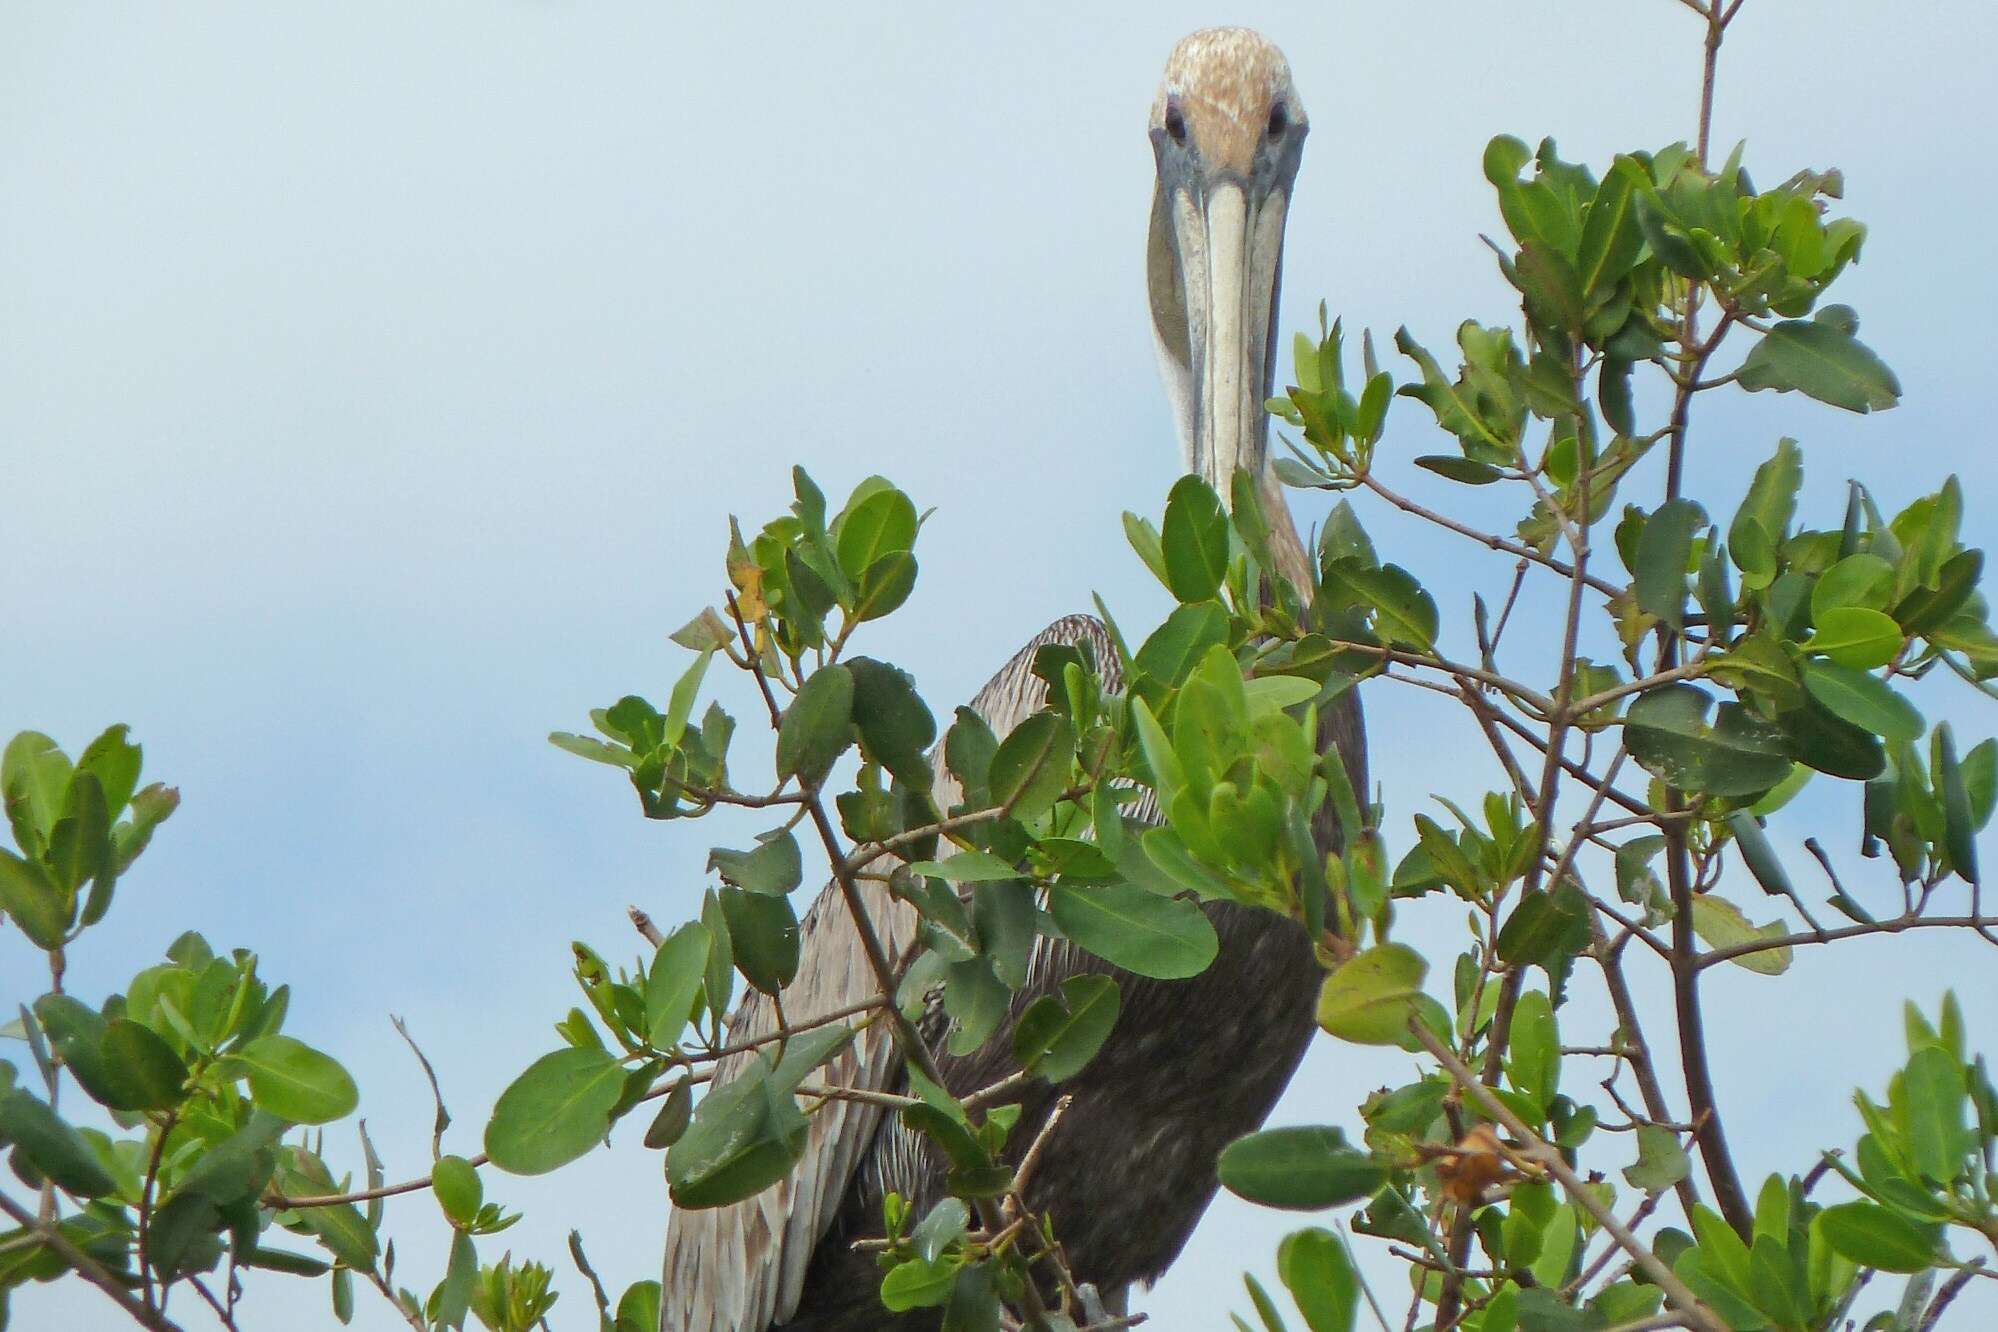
pixel 1279 121
pixel 1175 124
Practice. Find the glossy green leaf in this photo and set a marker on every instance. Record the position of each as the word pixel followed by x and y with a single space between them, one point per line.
pixel 555 1111
pixel 1319 1274
pixel 296 1082
pixel 1194 540
pixel 1166 938
pixel 1758 854
pixel 773 866
pixel 745 1136
pixel 32 900
pixel 1372 997
pixel 817 726
pixel 1934 1097
pixel 895 725
pixel 882 524
pixel 1031 768
pixel 1299 1169
pixel 1865 700
pixel 459 1190
pixel 917 1285
pixel 943 1226
pixel 148 1074
pixel 1823 361
pixel 763 932
pixel 1959 821
pixel 1879 1237
pixel 1661 1162
pixel 672 982
pixel 1669 736
pixel 1186 636
pixel 1056 1036
pixel 1857 637
pixel 55 1149
pixel 1664 555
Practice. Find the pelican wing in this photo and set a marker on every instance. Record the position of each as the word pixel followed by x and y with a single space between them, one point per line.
pixel 742 1268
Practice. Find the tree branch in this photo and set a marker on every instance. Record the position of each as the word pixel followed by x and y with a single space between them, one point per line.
pixel 1537 1151
pixel 86 1267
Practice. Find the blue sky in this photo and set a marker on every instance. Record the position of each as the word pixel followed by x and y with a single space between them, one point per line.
pixel 374 380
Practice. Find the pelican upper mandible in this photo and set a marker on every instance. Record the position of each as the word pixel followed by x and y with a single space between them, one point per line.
pixel 1193 1064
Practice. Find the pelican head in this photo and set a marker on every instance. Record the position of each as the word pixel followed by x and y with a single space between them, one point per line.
pixel 1227 131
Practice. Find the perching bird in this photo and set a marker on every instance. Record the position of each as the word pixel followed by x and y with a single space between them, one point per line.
pixel 1192 1064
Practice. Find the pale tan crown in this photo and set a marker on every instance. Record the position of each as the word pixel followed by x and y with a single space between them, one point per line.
pixel 1225 80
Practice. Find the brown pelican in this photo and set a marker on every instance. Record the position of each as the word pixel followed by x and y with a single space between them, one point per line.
pixel 1193 1064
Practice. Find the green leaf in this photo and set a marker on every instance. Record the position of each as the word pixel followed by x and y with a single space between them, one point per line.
pixel 555 1111
pixel 1758 854
pixel 1664 554
pixel 672 982
pixel 1319 1274
pixel 882 524
pixel 1855 636
pixel 917 1285
pixel 1611 240
pixel 1166 938
pixel 1404 614
pixel 1370 999
pixel 339 1226
pixel 638 1307
pixel 675 1113
pixel 1030 770
pixel 1959 822
pixel 1863 580
pixel 817 726
pixel 148 1074
pixel 57 1151
pixel 1739 754
pixel 34 773
pixel 1722 924
pixel 1865 700
pixel 967 867
pixel 1057 1036
pixel 763 932
pixel 885 586
pixel 33 900
pixel 1534 1059
pixel 1456 467
pixel 459 1190
pixel 1144 539
pixel 1299 1169
pixel 1878 1237
pixel 774 866
pixel 745 1136
pixel 114 760
pixel 1545 927
pixel 1935 1094
pixel 944 1226
pixel 1194 540
pixel 1185 637
pixel 296 1082
pixel 896 728
pixel 1770 503
pixel 718 984
pixel 1661 1162
pixel 686 689
pixel 1823 361
pixel 80 843
pixel 461 1275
